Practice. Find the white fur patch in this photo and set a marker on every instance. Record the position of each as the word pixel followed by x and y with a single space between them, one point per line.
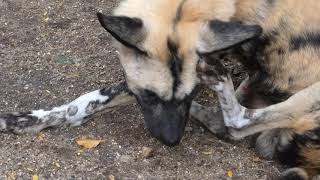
pixel 233 112
pixel 80 103
pixel 147 74
pixel 237 121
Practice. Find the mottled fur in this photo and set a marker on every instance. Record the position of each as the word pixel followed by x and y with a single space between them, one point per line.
pixel 74 113
pixel 288 56
pixel 160 43
pixel 289 43
pixel 282 62
pixel 160 23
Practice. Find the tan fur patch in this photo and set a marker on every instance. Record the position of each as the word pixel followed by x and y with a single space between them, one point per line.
pixel 312 158
pixel 159 18
pixel 288 18
pixel 304 124
pixel 290 71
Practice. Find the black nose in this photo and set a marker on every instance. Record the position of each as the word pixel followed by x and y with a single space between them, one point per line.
pixel 169 135
pixel 167 129
pixel 170 140
pixel 166 120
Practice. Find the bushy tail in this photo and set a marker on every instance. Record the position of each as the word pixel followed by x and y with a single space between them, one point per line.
pixel 74 113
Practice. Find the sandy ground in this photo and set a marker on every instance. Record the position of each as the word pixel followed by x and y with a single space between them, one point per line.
pixel 53 51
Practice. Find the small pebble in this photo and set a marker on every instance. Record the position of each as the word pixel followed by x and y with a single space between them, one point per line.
pixel 147 152
pixel 111 177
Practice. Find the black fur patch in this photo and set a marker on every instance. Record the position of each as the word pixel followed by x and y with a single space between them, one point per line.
pixel 175 63
pixel 214 59
pixel 114 91
pixel 21 120
pixel 232 33
pixel 263 88
pixel 311 137
pixel 252 54
pixel 179 13
pixel 314 108
pixel 290 154
pixel 124 29
pixel 281 51
pixel 271 2
pixel 308 39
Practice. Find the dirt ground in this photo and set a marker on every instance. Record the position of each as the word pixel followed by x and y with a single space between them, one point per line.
pixel 53 51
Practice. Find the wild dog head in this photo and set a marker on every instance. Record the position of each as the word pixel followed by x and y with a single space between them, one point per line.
pixel 159 44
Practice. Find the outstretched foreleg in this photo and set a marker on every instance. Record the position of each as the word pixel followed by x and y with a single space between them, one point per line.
pixel 74 113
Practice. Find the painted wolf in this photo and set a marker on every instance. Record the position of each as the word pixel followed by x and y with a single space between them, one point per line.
pixel 277 41
pixel 160 44
pixel 280 98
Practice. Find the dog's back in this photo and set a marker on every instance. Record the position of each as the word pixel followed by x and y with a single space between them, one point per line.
pixel 289 46
pixel 288 55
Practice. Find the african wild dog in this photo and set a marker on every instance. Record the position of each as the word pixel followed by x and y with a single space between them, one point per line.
pixel 159 52
pixel 281 96
pixel 161 41
pixel 158 49
pixel 158 60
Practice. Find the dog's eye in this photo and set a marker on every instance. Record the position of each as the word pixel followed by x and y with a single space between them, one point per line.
pixel 149 96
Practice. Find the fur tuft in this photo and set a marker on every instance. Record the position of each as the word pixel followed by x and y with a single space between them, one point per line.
pixel 294 174
pixel 270 143
pixel 266 144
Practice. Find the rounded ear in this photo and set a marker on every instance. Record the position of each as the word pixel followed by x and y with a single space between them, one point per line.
pixel 218 35
pixel 129 31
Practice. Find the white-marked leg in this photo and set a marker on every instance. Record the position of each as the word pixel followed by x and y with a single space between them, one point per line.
pixel 74 113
